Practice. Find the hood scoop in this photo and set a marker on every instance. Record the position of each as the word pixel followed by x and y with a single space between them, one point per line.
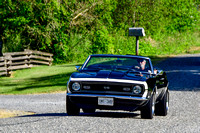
pixel 103 74
pixel 116 75
pixel 109 74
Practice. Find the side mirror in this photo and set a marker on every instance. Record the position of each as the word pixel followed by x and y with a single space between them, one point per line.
pixel 150 72
pixel 155 71
pixel 78 68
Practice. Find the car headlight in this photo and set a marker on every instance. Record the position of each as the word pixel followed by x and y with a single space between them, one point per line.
pixel 137 89
pixel 76 86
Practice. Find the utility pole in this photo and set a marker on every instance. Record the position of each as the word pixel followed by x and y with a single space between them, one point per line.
pixel 137 31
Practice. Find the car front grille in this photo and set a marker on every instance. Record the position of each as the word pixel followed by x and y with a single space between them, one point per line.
pixel 107 87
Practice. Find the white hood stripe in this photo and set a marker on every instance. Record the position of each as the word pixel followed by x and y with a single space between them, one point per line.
pixel 110 80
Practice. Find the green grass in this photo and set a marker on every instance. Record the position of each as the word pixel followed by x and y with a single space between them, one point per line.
pixel 43 79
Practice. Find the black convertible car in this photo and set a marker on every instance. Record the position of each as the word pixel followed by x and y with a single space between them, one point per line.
pixel 118 82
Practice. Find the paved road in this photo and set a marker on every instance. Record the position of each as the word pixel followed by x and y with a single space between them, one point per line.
pixel 184 76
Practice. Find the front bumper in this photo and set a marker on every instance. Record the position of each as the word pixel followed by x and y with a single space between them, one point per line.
pixel 128 103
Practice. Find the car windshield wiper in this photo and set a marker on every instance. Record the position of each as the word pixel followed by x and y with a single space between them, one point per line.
pixel 95 68
pixel 118 68
pixel 136 72
pixel 123 68
pixel 87 72
pixel 131 70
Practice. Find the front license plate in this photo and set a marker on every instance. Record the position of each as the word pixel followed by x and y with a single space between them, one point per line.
pixel 105 101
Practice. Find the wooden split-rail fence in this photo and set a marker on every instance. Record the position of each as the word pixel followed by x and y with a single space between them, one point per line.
pixel 20 60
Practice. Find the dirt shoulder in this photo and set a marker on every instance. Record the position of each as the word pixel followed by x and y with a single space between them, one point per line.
pixel 13 113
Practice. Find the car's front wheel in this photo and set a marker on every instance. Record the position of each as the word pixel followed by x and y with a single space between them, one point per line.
pixel 71 108
pixel 147 112
pixel 163 106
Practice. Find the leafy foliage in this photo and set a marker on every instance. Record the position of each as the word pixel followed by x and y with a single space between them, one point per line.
pixel 73 29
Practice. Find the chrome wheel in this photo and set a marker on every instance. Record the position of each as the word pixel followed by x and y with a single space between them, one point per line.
pixel 147 112
pixel 162 107
pixel 153 105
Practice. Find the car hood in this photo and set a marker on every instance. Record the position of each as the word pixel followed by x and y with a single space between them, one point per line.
pixel 110 74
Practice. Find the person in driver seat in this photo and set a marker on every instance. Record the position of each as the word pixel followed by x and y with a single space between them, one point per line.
pixel 142 65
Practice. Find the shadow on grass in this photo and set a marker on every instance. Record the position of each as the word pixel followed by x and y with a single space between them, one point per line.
pixel 59 80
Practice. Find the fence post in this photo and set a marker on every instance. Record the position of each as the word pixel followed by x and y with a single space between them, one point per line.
pixel 50 61
pixel 5 64
pixel 8 63
pixel 29 57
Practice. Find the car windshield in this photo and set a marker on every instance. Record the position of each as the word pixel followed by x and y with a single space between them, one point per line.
pixel 116 63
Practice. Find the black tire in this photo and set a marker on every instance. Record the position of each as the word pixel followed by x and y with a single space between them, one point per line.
pixel 163 106
pixel 147 112
pixel 88 110
pixel 71 108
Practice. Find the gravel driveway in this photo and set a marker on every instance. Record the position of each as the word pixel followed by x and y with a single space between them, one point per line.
pixel 184 115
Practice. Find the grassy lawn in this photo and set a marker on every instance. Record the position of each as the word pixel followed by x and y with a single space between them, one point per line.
pixel 42 79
